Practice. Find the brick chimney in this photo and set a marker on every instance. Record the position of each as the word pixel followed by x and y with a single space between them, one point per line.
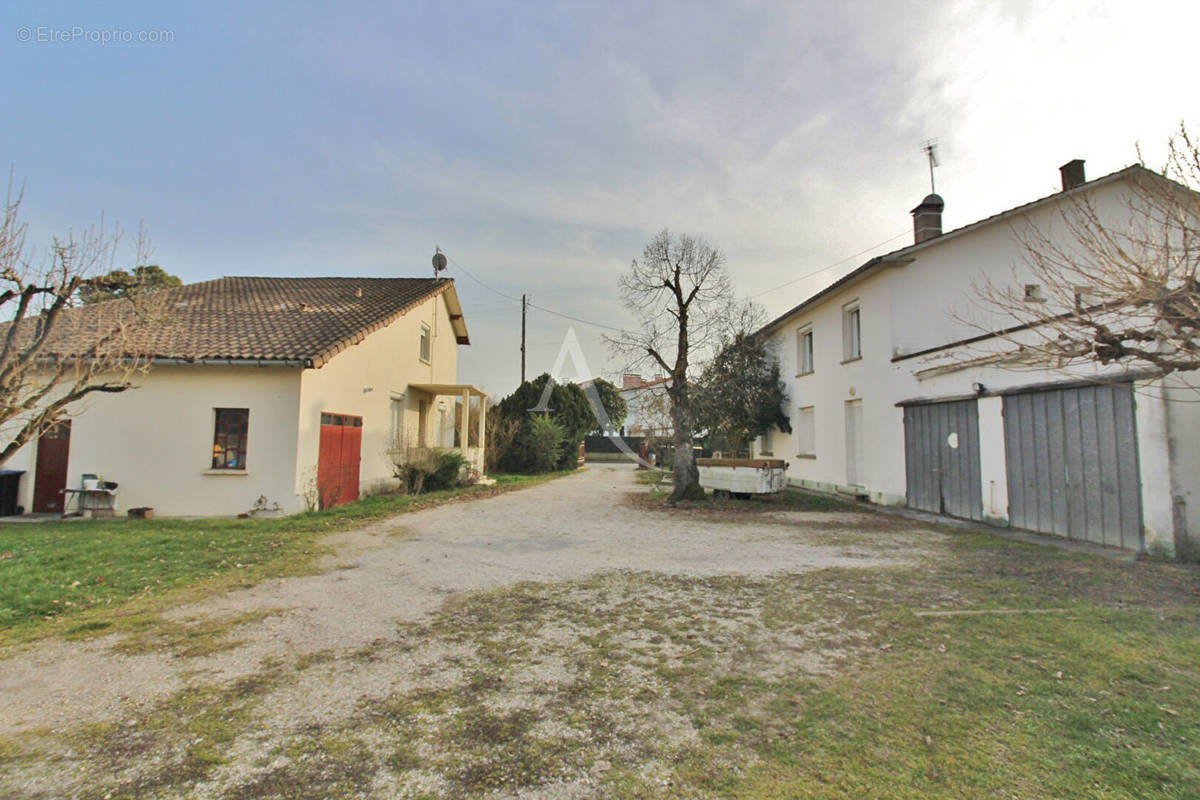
pixel 629 381
pixel 927 219
pixel 1072 174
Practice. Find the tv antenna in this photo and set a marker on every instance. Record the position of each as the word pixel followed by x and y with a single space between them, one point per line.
pixel 439 261
pixel 930 148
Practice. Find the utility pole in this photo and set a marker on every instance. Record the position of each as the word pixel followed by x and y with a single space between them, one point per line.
pixel 524 305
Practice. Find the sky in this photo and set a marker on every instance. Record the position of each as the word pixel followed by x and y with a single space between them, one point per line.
pixel 542 145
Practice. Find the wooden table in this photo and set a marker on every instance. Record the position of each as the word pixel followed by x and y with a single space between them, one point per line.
pixel 93 500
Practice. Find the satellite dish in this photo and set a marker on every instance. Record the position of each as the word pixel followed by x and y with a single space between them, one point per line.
pixel 439 262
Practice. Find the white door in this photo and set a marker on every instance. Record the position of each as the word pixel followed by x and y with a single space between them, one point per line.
pixel 854 444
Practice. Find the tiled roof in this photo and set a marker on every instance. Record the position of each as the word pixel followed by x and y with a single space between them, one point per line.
pixel 305 320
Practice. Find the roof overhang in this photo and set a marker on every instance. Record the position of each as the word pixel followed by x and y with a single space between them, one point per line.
pixel 909 253
pixel 448 389
pixel 454 308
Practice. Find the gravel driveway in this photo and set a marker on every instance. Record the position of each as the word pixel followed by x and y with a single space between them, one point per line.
pixel 381 623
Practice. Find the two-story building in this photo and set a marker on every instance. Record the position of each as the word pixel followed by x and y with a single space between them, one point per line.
pixel 903 391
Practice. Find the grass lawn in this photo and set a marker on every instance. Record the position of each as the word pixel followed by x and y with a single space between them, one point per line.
pixel 987 668
pixel 79 577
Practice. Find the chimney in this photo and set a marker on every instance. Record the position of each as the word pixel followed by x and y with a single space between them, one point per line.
pixel 629 381
pixel 1072 174
pixel 927 219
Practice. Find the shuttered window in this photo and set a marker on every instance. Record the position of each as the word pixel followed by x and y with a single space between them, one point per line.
pixel 806 432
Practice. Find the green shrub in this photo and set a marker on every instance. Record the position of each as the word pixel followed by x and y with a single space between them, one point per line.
pixel 545 443
pixel 429 469
pixel 449 472
pixel 568 408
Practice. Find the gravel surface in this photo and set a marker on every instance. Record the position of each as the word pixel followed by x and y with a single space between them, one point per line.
pixel 387 577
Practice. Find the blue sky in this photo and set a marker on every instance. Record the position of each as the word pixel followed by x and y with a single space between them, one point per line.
pixel 541 145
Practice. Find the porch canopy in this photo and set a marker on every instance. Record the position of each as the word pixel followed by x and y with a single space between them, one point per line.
pixel 449 389
pixel 466 391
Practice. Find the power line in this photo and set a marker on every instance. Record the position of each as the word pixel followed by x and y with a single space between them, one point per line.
pixel 576 319
pixel 594 324
pixel 523 301
pixel 819 271
pixel 468 273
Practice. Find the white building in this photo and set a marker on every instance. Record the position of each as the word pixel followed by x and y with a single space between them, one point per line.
pixel 647 406
pixel 899 393
pixel 297 390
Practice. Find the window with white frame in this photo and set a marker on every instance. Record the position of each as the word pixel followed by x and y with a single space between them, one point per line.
pixel 766 443
pixel 804 350
pixel 425 334
pixel 851 331
pixel 806 432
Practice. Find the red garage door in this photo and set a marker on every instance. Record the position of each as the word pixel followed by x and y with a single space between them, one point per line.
pixel 337 464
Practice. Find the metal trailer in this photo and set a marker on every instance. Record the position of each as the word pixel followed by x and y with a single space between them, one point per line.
pixel 742 477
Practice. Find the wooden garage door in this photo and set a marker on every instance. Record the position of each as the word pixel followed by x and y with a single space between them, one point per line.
pixel 1073 464
pixel 941 458
pixel 338 462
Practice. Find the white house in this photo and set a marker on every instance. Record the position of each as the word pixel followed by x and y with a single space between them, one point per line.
pixel 901 392
pixel 298 390
pixel 647 406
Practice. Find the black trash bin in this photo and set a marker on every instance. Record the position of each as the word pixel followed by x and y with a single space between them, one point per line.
pixel 10 482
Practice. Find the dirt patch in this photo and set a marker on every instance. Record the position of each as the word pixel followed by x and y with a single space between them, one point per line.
pixel 520 646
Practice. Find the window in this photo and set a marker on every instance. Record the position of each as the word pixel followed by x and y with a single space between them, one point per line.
pixel 229 438
pixel 341 420
pixel 424 342
pixel 1033 293
pixel 806 433
pixel 851 331
pixel 804 351
pixel 396 434
pixel 766 442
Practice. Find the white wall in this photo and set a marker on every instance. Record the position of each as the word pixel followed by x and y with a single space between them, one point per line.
pixel 156 440
pixel 361 381
pixel 832 383
pixel 934 298
pixel 930 303
pixel 1183 412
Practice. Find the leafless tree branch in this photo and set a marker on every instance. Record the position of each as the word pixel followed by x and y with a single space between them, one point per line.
pixel 1112 289
pixel 679 292
pixel 54 355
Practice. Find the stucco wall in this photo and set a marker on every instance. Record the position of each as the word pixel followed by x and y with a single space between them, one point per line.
pixel 832 383
pixel 1183 421
pixel 930 303
pixel 934 299
pixel 363 379
pixel 156 440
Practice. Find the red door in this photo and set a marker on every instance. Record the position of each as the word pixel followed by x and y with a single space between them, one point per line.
pixel 338 460
pixel 50 472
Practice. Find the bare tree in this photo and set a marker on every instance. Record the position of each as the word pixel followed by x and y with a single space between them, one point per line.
pixel 1114 288
pixel 680 293
pixel 51 354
